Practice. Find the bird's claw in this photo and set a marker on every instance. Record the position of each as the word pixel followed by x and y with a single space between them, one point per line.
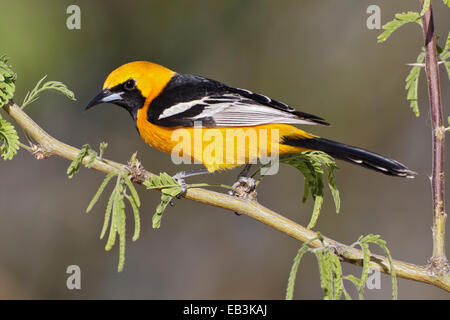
pixel 183 185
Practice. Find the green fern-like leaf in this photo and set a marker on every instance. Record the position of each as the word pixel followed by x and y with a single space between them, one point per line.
pixel 364 242
pixel 330 268
pixel 135 203
pixel 332 185
pixel 115 214
pixel 311 164
pixel 399 20
pixel 318 201
pixel 365 269
pixel 326 281
pixel 163 181
pixel 447 43
pixel 446 51
pixel 447 67
pixel 9 140
pixel 92 157
pixel 120 219
pixel 293 274
pixel 347 296
pixel 7 81
pixel 100 191
pixel 137 219
pixel 169 189
pixel 133 191
pixel 118 227
pixel 56 86
pixel 371 238
pixel 103 146
pixel 412 84
pixel 356 281
pixel 330 273
pixel 107 215
pixel 74 166
pixel 337 277
pixel 447 2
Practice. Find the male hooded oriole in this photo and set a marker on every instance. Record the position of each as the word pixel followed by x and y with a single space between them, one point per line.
pixel 162 101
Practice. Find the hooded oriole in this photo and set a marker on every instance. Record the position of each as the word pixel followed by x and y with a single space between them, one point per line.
pixel 161 101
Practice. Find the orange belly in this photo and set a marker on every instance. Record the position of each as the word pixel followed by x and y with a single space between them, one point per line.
pixel 220 148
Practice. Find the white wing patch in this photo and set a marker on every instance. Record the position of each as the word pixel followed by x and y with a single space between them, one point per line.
pixel 178 108
pixel 232 110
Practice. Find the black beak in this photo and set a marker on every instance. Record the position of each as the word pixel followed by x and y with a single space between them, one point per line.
pixel 104 96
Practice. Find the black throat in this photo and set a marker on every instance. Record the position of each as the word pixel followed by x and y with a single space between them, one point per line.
pixel 132 100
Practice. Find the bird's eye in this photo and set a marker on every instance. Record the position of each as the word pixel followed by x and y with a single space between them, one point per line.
pixel 130 84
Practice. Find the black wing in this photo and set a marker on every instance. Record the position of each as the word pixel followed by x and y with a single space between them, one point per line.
pixel 188 99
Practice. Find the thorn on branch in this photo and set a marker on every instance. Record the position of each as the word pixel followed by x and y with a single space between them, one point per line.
pixel 136 169
pixel 440 132
pixel 39 152
pixel 422 65
pixel 244 188
pixel 438 266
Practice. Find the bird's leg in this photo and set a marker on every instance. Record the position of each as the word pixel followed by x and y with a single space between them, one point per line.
pixel 244 187
pixel 180 176
pixel 245 171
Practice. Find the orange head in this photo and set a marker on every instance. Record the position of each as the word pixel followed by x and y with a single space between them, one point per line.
pixel 132 84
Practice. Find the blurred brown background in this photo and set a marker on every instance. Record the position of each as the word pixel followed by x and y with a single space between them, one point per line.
pixel 317 56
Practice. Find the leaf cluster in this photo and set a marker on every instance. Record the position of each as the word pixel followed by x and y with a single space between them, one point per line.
pixel 169 189
pixel 399 20
pixel 363 243
pixel 9 140
pixel 75 165
pixel 444 55
pixel 123 191
pixel 56 86
pixel 115 216
pixel 312 164
pixel 331 276
pixel 7 81
pixel 412 79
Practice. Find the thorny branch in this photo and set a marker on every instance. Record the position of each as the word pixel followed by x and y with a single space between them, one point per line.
pixel 438 262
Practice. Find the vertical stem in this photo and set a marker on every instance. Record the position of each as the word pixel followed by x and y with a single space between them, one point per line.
pixel 438 132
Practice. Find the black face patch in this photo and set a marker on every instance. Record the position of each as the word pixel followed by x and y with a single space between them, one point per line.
pixel 132 99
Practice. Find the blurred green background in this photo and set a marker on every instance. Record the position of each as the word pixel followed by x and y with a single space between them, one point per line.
pixel 317 56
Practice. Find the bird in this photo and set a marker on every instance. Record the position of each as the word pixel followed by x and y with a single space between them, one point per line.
pixel 163 103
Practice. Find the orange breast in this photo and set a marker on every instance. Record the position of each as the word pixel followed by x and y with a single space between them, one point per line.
pixel 219 148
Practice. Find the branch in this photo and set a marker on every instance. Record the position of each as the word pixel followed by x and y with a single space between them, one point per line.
pixel 438 262
pixel 249 208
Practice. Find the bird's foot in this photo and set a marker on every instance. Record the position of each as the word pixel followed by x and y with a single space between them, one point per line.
pixel 244 188
pixel 179 178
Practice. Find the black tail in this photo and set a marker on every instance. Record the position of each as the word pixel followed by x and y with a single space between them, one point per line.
pixel 354 155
